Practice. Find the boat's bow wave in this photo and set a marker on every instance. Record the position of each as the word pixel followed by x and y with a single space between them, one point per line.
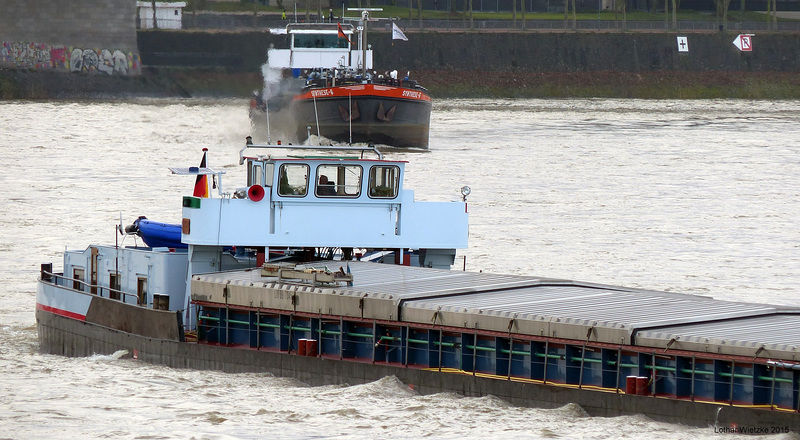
pixel 109 357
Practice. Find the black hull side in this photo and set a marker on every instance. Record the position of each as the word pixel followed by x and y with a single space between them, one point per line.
pixel 69 337
pixel 408 128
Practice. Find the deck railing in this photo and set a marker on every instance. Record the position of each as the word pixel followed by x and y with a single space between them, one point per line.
pixel 207 21
pixel 102 291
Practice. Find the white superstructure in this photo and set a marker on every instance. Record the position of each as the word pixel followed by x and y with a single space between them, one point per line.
pixel 321 46
pixel 291 206
pixel 340 202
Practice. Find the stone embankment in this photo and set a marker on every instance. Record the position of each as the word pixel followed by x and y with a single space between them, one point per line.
pixel 466 64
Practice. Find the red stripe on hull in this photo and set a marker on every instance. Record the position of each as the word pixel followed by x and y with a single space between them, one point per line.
pixel 364 90
pixel 60 312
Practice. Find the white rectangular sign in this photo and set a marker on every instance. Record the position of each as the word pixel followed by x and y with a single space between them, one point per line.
pixel 683 44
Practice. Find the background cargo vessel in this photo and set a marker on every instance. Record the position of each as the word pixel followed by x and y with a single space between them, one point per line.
pixel 338 96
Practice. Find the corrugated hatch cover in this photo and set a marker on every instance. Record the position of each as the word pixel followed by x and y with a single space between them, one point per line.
pixel 563 308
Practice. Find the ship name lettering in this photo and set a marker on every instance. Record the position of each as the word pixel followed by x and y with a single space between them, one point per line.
pixel 323 92
pixel 412 94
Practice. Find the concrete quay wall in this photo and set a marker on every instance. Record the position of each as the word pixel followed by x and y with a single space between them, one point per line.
pixel 93 36
pixel 500 52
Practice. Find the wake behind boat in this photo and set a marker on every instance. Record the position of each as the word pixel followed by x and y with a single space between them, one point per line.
pixel 342 98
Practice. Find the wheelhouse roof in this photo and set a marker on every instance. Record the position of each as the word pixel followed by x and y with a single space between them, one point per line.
pixel 338 148
pixel 319 28
pixel 320 159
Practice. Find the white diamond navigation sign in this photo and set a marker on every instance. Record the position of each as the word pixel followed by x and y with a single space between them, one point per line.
pixel 683 44
pixel 744 42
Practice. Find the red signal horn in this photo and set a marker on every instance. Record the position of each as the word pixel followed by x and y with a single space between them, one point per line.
pixel 255 193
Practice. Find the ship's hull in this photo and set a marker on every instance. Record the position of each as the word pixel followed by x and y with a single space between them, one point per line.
pixel 68 337
pixel 395 116
pixel 70 329
pixel 84 308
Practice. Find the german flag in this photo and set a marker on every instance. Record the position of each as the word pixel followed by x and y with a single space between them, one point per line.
pixel 201 183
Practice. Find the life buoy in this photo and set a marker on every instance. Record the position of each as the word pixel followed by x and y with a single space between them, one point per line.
pixel 255 193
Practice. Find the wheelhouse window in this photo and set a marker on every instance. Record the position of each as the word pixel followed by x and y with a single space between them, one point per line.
pixel 255 174
pixel 338 181
pixel 259 173
pixel 293 180
pixel 326 41
pixel 78 275
pixel 384 181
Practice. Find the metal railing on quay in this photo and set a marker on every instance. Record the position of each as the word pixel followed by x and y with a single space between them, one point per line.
pixel 496 25
pixel 592 25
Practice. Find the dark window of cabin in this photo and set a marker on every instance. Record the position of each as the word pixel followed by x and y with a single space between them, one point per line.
pixel 141 290
pixel 78 279
pixel 254 175
pixel 293 180
pixel 113 284
pixel 339 181
pixel 384 181
pixel 260 173
pixel 320 41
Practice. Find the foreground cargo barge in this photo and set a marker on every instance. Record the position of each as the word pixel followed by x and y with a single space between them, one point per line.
pixel 217 304
pixel 517 328
pixel 524 339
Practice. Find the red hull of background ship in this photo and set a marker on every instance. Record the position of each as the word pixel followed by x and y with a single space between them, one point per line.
pixel 387 115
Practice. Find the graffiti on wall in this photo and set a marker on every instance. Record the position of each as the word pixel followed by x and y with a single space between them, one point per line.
pixel 42 56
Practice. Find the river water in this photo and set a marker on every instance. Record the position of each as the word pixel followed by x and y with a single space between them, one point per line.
pixel 699 197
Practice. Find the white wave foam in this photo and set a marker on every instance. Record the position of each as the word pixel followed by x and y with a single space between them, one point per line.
pixel 108 357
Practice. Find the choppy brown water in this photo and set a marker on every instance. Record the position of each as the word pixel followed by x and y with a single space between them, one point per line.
pixel 688 196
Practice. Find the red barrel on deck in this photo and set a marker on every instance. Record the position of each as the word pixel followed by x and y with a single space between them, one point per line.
pixel 630 385
pixel 641 386
pixel 311 347
pixel 302 347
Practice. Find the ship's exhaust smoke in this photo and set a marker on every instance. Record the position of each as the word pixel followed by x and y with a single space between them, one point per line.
pixel 278 89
